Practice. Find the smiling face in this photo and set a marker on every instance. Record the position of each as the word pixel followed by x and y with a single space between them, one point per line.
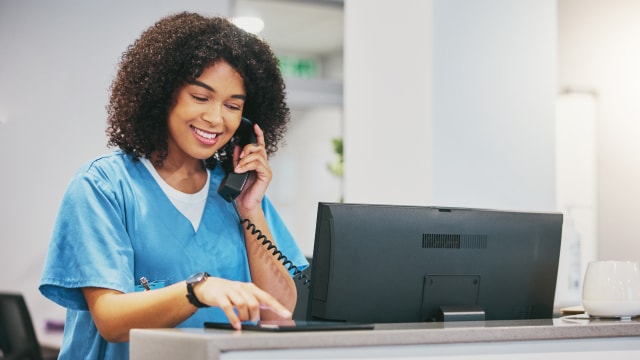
pixel 206 113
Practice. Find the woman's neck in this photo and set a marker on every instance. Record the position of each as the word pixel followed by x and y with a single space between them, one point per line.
pixel 186 176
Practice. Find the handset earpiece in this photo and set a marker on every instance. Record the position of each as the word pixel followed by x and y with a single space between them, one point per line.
pixel 232 185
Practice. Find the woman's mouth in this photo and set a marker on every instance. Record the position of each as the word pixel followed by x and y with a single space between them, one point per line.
pixel 205 137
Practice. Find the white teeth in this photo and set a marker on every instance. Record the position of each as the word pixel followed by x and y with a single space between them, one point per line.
pixel 205 135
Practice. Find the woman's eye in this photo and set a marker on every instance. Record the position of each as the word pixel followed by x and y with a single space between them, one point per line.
pixel 234 107
pixel 199 98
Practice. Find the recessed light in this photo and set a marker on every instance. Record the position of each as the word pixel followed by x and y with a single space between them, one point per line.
pixel 249 23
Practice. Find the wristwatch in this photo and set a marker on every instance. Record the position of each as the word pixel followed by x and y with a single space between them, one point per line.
pixel 191 281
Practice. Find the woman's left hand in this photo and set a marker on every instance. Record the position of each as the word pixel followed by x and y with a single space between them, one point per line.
pixel 253 159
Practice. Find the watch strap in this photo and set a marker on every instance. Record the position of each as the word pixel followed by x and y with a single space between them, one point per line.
pixel 191 294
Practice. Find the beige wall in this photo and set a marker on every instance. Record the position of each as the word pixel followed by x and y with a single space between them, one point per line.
pixel 599 51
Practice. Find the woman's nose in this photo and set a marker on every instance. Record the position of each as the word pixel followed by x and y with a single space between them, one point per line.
pixel 212 115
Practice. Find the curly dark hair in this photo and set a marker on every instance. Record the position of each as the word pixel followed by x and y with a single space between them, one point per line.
pixel 175 50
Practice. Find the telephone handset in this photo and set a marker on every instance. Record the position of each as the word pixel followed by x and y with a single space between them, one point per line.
pixel 233 183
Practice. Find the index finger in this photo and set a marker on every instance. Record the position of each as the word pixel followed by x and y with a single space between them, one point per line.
pixel 268 302
pixel 259 135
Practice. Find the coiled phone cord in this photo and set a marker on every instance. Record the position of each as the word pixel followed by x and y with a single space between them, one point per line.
pixel 248 225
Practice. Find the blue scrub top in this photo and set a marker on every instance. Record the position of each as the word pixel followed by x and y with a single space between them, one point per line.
pixel 116 225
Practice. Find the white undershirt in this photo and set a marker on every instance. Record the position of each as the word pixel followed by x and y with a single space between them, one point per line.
pixel 190 205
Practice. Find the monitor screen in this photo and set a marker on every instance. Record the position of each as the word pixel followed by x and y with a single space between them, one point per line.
pixel 390 263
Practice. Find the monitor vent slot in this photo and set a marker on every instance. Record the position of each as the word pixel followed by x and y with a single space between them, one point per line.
pixel 454 241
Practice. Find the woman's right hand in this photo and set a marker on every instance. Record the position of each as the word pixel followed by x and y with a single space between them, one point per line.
pixel 240 301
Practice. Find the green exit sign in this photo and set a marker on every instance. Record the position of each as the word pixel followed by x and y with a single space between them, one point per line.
pixel 298 67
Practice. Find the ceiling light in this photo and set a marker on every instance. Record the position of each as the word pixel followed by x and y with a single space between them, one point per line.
pixel 249 23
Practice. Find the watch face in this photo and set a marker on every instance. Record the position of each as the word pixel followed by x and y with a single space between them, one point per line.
pixel 196 278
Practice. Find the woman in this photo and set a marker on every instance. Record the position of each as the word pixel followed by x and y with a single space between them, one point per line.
pixel 150 210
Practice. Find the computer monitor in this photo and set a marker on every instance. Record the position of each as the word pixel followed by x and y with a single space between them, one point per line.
pixel 392 264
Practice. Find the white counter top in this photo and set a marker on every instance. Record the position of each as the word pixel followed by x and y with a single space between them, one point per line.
pixel 214 344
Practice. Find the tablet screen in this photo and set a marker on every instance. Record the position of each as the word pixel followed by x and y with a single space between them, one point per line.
pixel 293 325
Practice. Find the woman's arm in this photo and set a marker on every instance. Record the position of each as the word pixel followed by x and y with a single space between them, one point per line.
pixel 115 313
pixel 267 272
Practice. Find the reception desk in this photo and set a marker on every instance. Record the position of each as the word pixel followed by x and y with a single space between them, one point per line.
pixel 571 337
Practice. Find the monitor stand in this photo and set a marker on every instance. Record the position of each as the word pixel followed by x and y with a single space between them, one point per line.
pixel 461 313
pixel 451 297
